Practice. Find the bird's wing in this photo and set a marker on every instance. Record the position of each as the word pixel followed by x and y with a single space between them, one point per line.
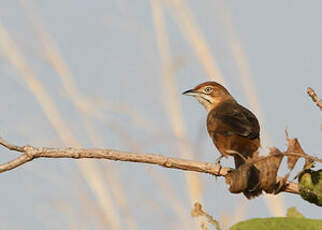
pixel 232 118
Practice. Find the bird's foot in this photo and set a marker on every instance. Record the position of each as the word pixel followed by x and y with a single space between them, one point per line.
pixel 217 162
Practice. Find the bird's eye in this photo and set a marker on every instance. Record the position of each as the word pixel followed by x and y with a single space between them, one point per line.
pixel 207 90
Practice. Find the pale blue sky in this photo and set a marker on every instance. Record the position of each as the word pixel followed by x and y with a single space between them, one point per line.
pixel 111 50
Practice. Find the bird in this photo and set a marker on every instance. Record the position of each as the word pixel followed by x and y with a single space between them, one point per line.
pixel 234 129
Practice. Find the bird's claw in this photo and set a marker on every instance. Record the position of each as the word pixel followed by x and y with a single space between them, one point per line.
pixel 218 165
pixel 217 162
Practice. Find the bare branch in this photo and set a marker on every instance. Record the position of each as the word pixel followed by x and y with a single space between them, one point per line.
pixel 15 163
pixel 304 156
pixel 10 146
pixel 78 153
pixel 314 97
pixel 197 211
pixel 30 153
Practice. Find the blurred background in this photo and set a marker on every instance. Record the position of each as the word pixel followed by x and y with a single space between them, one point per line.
pixel 109 74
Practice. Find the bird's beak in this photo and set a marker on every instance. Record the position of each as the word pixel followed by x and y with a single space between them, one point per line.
pixel 191 92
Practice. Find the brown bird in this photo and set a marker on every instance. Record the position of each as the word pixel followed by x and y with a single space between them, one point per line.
pixel 233 129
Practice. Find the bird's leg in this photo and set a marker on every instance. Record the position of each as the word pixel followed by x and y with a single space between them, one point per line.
pixel 238 157
pixel 217 162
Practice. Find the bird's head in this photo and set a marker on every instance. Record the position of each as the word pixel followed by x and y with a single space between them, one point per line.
pixel 209 94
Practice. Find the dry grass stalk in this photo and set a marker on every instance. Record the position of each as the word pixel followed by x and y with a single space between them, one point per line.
pixel 192 33
pixel 171 102
pixel 86 108
pixel 47 104
pixel 95 179
pixel 184 17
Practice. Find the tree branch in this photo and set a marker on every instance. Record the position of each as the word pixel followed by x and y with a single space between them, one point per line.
pixel 30 153
pixel 314 97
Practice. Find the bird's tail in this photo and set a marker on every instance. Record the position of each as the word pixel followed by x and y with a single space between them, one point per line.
pixel 253 178
pixel 253 186
pixel 240 158
pixel 238 161
pixel 245 179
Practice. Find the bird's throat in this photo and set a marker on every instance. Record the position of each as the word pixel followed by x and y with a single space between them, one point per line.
pixel 209 103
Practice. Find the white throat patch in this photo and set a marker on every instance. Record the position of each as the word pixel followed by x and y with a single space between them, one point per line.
pixel 207 101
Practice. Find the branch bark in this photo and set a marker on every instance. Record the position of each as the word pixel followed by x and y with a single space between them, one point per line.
pixel 29 153
pixel 314 97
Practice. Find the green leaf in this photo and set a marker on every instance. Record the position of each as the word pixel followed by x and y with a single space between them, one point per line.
pixel 279 223
pixel 310 186
pixel 292 212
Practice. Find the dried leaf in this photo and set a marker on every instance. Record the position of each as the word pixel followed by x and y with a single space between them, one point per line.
pixel 268 167
pixel 293 147
pixel 237 179
pixel 256 174
pixel 244 179
pixel 294 152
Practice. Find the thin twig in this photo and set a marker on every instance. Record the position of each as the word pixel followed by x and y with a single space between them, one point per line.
pixel 314 97
pixel 10 146
pixel 315 159
pixel 198 211
pixel 172 104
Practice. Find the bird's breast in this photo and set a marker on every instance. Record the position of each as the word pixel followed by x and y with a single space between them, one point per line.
pixel 224 143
